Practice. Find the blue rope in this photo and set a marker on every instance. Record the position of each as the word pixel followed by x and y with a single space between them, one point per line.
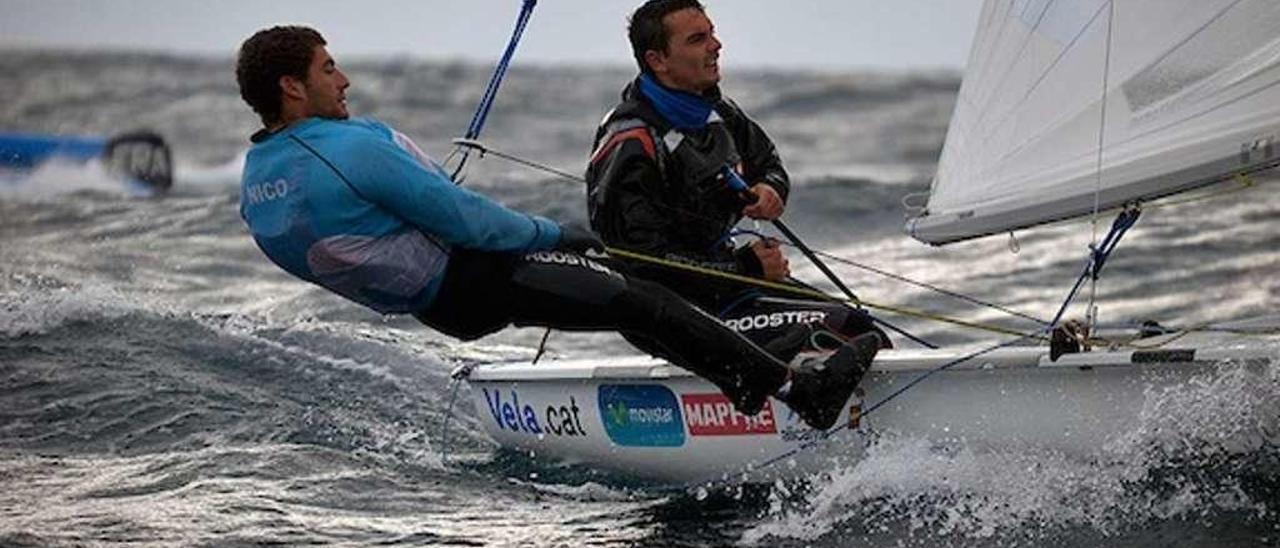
pixel 1098 257
pixel 486 103
pixel 491 92
pixel 1093 268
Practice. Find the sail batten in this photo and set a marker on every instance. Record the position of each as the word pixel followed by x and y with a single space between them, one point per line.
pixel 1071 103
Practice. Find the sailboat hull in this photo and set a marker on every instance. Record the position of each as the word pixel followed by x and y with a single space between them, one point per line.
pixel 645 418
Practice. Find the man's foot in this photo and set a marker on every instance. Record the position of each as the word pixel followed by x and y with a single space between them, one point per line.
pixel 819 395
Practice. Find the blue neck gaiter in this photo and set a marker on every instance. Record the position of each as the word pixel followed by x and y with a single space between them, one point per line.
pixel 683 109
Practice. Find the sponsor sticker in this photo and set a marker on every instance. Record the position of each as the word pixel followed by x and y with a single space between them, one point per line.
pixel 775 319
pixel 537 420
pixel 641 415
pixel 714 415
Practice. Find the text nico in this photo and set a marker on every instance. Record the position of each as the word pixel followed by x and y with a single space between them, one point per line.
pixel 262 192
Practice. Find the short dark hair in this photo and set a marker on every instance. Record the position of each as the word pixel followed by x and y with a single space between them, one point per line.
pixel 645 28
pixel 267 56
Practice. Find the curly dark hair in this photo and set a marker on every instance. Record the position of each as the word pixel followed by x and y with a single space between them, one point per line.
pixel 645 28
pixel 268 55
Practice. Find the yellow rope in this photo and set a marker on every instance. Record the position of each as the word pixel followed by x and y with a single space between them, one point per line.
pixel 806 292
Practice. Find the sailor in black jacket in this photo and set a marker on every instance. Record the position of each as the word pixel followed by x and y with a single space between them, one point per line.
pixel 661 190
pixel 657 178
pixel 659 182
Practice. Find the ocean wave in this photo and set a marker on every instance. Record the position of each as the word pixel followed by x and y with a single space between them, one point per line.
pixel 26 313
pixel 94 372
pixel 1207 448
pixel 816 95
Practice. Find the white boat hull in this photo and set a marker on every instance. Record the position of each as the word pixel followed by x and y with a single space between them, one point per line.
pixel 645 418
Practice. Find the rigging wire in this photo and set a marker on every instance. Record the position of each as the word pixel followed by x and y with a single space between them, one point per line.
pixel 491 91
pixel 485 150
pixel 455 381
pixel 934 288
pixel 1091 310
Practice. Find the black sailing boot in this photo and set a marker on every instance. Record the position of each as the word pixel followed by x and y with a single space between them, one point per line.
pixel 819 394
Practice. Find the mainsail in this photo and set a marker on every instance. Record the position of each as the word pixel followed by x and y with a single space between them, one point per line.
pixel 1074 106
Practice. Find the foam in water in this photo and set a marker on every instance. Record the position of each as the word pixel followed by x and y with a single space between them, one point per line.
pixel 36 312
pixel 589 491
pixel 1190 454
pixel 57 177
pixel 190 176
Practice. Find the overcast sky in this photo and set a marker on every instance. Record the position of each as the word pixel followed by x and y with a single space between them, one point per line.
pixel 825 34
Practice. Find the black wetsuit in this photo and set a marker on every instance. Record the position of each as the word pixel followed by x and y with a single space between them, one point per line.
pixel 484 292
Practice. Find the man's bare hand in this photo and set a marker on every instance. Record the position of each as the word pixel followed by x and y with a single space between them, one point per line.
pixel 774 263
pixel 769 205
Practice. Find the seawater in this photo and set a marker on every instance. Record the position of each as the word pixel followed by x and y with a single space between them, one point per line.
pixel 162 384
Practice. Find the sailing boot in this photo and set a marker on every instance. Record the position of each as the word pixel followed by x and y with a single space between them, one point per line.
pixel 819 395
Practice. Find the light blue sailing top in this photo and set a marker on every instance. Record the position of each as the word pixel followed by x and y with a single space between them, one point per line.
pixel 356 207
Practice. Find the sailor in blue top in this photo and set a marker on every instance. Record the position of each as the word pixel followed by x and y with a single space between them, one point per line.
pixel 354 206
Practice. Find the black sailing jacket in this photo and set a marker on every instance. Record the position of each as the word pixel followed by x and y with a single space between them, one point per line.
pixel 659 191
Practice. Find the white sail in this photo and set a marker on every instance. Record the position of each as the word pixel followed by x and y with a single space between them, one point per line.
pixel 1175 93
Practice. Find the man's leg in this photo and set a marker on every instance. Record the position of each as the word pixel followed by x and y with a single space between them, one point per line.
pixel 570 292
